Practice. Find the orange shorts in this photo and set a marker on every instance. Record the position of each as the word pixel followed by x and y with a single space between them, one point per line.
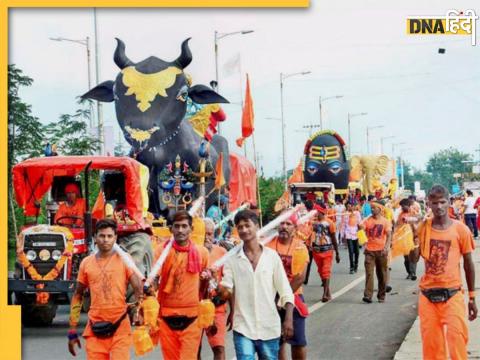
pixel 221 323
pixel 115 348
pixel 324 261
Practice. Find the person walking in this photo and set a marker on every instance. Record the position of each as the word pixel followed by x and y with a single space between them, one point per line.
pixel 470 213
pixel 349 229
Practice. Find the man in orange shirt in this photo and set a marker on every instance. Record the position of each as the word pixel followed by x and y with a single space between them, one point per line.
pixel 443 242
pixel 179 292
pixel 70 213
pixel 379 233
pixel 323 242
pixel 287 246
pixel 216 333
pixel 404 218
pixel 107 277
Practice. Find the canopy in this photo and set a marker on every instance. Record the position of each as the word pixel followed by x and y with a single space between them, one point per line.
pixel 34 177
pixel 243 181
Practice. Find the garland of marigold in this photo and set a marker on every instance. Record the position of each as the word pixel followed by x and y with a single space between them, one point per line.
pixel 42 297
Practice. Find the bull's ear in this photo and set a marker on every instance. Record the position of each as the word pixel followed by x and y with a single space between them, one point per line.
pixel 102 92
pixel 202 94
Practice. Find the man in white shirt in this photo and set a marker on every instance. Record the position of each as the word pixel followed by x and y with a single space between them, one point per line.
pixel 471 213
pixel 254 276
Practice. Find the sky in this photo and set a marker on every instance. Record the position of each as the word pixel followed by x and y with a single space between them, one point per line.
pixel 357 49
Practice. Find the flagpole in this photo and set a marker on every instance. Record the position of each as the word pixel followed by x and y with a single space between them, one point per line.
pixel 259 200
pixel 241 98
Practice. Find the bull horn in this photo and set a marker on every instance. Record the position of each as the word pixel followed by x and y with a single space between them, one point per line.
pixel 185 57
pixel 119 56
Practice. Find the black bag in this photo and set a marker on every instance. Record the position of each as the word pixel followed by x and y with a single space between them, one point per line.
pixel 178 323
pixel 106 329
pixel 439 295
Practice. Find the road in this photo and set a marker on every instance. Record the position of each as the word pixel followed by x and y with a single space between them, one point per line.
pixel 344 328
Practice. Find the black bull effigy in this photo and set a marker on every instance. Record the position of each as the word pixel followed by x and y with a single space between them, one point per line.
pixel 151 98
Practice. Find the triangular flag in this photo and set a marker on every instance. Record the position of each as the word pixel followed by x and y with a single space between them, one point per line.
pixel 219 179
pixel 247 116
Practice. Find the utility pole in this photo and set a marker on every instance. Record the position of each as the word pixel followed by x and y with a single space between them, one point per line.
pixel 101 137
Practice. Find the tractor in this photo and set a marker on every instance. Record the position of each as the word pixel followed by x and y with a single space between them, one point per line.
pixel 49 254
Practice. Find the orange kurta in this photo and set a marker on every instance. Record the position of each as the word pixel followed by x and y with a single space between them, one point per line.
pixel 179 298
pixel 77 210
pixel 107 280
pixel 442 270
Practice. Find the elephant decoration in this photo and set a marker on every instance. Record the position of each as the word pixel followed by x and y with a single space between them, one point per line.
pixel 368 169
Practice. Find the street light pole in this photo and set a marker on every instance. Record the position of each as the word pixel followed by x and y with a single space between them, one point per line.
pixel 393 148
pixel 85 42
pixel 217 37
pixel 284 161
pixel 381 141
pixel 368 140
pixel 101 137
pixel 349 133
pixel 320 106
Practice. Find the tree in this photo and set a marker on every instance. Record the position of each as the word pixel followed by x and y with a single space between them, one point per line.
pixel 70 133
pixel 270 191
pixel 443 164
pixel 412 174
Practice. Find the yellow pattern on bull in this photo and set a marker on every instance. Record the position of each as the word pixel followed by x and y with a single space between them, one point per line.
pixel 147 86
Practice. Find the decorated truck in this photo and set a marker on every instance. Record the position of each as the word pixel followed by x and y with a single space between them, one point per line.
pixel 49 255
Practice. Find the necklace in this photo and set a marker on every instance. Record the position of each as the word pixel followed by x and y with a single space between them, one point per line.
pixel 288 250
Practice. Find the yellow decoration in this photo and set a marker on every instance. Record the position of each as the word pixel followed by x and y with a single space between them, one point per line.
pixel 362 237
pixel 324 153
pixel 147 86
pixel 42 297
pixel 141 135
pixel 206 313
pixel 150 308
pixel 402 241
pixel 142 341
pixel 198 232
pixel 201 119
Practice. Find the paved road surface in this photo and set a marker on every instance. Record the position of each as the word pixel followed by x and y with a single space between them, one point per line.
pixel 344 328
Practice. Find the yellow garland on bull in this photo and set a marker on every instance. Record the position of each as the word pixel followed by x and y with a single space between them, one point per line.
pixel 43 297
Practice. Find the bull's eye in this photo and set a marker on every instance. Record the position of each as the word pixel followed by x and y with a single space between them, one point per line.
pixel 335 167
pixel 312 169
pixel 182 93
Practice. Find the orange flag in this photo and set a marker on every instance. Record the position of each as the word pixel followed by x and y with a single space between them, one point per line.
pixel 220 179
pixel 247 116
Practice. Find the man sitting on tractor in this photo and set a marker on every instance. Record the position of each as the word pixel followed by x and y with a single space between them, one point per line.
pixel 70 212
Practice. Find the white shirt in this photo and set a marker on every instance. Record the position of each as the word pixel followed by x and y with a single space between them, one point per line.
pixel 469 203
pixel 256 315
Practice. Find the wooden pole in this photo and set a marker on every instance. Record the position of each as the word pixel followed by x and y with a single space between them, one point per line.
pixel 259 200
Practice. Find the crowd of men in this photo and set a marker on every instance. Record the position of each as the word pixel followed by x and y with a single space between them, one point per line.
pixel 258 291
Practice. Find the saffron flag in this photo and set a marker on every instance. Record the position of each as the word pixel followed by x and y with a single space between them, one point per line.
pixel 219 179
pixel 247 116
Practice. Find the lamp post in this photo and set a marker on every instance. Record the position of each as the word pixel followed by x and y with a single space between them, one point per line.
pixel 282 78
pixel 368 131
pixel 320 106
pixel 350 116
pixel 401 165
pixel 84 42
pixel 381 141
pixel 393 148
pixel 217 37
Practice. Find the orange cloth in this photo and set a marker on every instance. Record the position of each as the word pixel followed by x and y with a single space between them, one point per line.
pixel 433 317
pixel 221 323
pixel 219 176
pixel 442 269
pixel 107 280
pixel 377 230
pixel 180 344
pixel 179 294
pixel 324 261
pixel 115 348
pixel 286 254
pixel 243 182
pixel 77 210
pixel 247 116
pixel 304 231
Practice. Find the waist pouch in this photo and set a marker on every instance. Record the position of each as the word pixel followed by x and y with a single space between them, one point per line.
pixel 178 322
pixel 106 329
pixel 217 301
pixel 439 295
pixel 321 248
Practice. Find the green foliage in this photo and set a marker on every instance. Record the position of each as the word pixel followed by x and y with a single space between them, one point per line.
pixel 412 175
pixel 443 164
pixel 70 134
pixel 270 191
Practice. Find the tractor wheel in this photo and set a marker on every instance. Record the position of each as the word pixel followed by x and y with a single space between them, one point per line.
pixel 139 246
